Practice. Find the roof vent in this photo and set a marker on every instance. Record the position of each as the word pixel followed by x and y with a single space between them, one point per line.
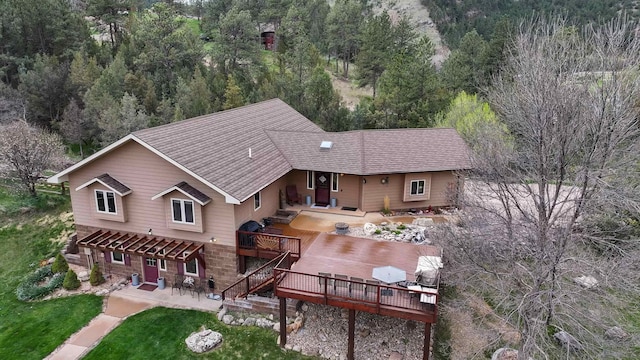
pixel 326 145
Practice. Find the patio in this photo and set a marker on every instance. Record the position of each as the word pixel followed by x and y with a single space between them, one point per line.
pixel 164 298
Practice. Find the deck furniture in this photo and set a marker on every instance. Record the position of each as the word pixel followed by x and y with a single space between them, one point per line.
pixel 178 282
pixel 198 287
pixel 292 195
pixel 373 284
pixel 321 279
pixel 341 281
pixel 356 284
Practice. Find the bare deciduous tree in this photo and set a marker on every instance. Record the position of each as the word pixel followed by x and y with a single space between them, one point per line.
pixel 26 151
pixel 536 200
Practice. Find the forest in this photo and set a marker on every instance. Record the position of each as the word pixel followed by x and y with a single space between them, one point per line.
pixel 456 18
pixel 95 70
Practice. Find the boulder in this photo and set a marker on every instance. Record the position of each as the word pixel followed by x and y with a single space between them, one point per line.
pixel 222 313
pixel 264 323
pixel 250 321
pixel 83 276
pixel 505 354
pixel 567 340
pixel 616 333
pixel 369 229
pixel 587 282
pixel 203 341
pixel 227 319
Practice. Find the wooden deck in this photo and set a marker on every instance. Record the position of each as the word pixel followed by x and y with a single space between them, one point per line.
pixel 356 257
pixel 352 256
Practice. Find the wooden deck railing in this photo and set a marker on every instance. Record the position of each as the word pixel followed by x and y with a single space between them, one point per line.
pixel 257 279
pixel 264 245
pixel 362 296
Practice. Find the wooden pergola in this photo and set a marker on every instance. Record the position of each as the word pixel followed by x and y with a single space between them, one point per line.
pixel 143 245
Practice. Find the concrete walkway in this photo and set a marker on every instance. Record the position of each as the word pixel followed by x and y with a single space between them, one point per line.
pixel 120 305
pixel 118 308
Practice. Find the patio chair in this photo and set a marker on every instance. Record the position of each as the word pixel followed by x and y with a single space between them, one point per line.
pixel 198 287
pixel 373 284
pixel 321 279
pixel 178 282
pixel 341 281
pixel 292 195
pixel 356 284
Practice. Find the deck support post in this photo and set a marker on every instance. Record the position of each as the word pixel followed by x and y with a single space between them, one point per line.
pixel 283 322
pixel 242 264
pixel 352 327
pixel 427 341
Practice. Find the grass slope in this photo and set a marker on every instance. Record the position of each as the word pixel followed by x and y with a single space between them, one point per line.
pixel 160 333
pixel 31 330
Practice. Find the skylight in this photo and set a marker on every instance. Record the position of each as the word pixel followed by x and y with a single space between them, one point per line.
pixel 326 144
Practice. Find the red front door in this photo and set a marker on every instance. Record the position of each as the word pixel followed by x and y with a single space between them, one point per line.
pixel 323 179
pixel 150 270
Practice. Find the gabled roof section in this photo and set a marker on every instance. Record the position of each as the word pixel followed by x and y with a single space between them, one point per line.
pixel 369 152
pixel 187 190
pixel 106 180
pixel 216 147
pixel 228 151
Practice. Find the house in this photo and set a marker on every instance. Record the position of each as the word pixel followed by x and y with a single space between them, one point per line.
pixel 168 200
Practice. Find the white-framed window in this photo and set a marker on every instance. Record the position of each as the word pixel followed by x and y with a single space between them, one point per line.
pixel 117 257
pixel 162 263
pixel 257 200
pixel 310 179
pixel 191 267
pixel 106 202
pixel 182 211
pixel 417 187
pixel 334 182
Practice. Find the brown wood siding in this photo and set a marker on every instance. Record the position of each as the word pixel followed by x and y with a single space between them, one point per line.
pixel 374 191
pixel 146 174
pixel 270 203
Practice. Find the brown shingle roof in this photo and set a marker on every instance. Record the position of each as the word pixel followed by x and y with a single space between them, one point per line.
pixel 108 181
pixel 216 146
pixel 366 152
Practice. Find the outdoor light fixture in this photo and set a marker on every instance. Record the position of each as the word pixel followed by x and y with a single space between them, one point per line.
pixel 384 180
pixel 213 239
pixel 364 181
pixel 150 232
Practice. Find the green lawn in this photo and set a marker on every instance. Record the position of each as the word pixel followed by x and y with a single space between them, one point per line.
pixel 160 333
pixel 31 330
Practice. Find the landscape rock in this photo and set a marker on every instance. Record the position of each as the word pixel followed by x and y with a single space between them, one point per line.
pixel 369 229
pixel 276 327
pixel 297 348
pixel 395 356
pixel 567 340
pixel 222 313
pixel 587 282
pixel 102 292
pixel 250 321
pixel 616 333
pixel 51 260
pixel 264 323
pixel 505 354
pixel 83 276
pixel 203 341
pixel 227 319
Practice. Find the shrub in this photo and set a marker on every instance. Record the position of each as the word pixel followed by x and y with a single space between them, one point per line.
pixel 71 281
pixel 401 227
pixel 29 288
pixel 60 265
pixel 96 278
pixel 378 232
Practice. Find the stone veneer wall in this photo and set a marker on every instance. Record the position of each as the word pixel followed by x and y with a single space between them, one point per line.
pixel 261 305
pixel 221 263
